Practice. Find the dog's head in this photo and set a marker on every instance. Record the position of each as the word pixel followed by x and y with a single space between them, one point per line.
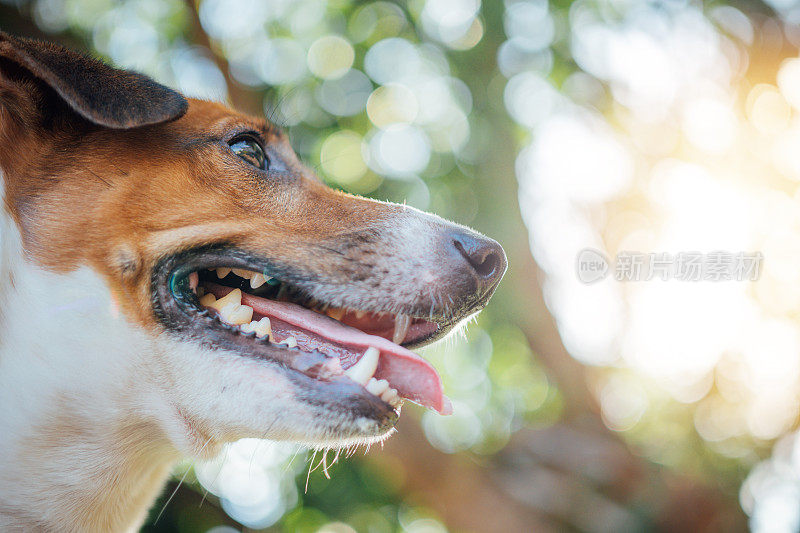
pixel 307 337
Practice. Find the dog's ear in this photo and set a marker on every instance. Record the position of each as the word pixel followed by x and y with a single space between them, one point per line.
pixel 103 95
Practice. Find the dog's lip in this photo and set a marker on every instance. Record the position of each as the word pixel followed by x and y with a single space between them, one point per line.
pixel 244 261
pixel 169 298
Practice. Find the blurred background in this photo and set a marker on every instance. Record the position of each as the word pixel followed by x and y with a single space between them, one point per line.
pixel 554 126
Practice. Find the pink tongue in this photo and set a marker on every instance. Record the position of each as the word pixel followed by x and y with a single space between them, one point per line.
pixel 412 376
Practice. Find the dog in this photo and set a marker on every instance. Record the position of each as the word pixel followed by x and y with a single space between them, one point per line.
pixel 173 278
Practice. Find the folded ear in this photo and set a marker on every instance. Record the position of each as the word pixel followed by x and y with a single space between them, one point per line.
pixel 102 94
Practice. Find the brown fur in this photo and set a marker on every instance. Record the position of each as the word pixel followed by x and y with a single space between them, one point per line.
pixel 134 196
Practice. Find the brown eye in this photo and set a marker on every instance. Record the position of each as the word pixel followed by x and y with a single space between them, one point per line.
pixel 251 151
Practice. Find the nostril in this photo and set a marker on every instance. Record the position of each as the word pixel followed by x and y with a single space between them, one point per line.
pixel 488 266
pixel 482 257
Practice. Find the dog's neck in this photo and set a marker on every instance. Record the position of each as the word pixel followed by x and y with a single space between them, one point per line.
pixel 77 454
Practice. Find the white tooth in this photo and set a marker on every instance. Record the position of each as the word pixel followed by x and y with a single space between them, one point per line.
pixel 249 327
pixel 226 310
pixel 222 272
pixel 263 328
pixel 208 300
pixel 236 314
pixel 365 367
pixel 242 273
pixel 241 315
pixel 389 395
pixel 360 314
pixel 291 342
pixel 401 325
pixel 235 296
pixel 257 280
pixel 377 386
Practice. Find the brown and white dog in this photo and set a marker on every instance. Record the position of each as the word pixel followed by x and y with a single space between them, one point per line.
pixel 126 341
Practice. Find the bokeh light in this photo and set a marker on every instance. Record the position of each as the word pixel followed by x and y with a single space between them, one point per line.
pixel 689 155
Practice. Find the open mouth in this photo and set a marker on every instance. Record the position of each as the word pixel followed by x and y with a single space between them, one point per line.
pixel 258 313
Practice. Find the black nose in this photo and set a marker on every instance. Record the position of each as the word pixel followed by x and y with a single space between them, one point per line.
pixel 484 255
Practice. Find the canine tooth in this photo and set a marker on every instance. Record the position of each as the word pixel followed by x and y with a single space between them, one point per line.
pixel 222 272
pixel 235 296
pixel 401 325
pixel 242 273
pixel 208 300
pixel 257 280
pixel 377 386
pixel 365 367
pixel 263 328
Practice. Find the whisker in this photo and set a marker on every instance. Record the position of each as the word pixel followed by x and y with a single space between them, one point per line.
pixel 180 483
pixel 310 464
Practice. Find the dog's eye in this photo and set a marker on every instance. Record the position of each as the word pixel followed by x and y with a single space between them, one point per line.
pixel 251 151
